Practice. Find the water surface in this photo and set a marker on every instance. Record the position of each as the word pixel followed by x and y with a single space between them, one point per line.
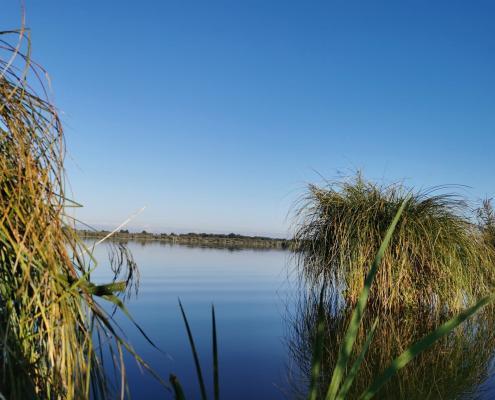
pixel 265 323
pixel 249 289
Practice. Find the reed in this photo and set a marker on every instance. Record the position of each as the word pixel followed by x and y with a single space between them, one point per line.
pixel 174 381
pixel 486 222
pixel 437 256
pixel 53 332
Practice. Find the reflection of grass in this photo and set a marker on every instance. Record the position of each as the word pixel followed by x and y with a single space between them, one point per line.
pixel 436 256
pixel 52 331
pixel 454 364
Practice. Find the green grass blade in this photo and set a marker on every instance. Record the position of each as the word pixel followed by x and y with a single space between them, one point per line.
pixel 357 364
pixel 120 304
pixel 107 289
pixel 318 350
pixel 178 392
pixel 195 354
pixel 422 345
pixel 357 314
pixel 216 384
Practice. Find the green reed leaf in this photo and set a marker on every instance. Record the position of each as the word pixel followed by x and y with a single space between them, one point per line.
pixel 344 389
pixel 216 383
pixel 195 353
pixel 423 344
pixel 357 314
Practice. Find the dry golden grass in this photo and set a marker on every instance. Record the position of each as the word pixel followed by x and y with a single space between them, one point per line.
pixel 50 323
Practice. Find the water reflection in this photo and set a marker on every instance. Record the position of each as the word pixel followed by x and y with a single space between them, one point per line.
pixel 454 367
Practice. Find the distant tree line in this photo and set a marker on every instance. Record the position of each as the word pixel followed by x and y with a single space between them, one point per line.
pixel 191 238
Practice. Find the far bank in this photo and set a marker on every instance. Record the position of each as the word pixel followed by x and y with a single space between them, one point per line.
pixel 231 240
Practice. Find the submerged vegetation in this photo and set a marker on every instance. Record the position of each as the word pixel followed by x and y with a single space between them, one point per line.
pixel 52 330
pixel 438 256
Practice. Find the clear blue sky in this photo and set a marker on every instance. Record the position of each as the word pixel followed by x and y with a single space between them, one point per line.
pixel 216 114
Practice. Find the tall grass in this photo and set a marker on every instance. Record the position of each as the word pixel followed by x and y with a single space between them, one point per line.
pixel 486 222
pixel 438 256
pixel 52 330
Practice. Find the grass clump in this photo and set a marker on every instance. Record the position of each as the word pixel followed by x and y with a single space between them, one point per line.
pixel 437 255
pixel 52 330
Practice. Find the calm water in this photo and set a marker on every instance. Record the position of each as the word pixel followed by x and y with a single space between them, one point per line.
pixel 263 324
pixel 250 291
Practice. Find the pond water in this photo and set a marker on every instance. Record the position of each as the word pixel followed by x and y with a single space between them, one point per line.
pixel 250 290
pixel 264 325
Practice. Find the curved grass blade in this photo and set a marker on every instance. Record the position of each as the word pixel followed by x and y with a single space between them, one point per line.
pixel 355 367
pixel 179 393
pixel 106 322
pixel 195 354
pixel 357 314
pixel 422 345
pixel 216 384
pixel 318 350
pixel 120 304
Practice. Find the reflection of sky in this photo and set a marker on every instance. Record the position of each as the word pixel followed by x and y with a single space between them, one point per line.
pixel 249 289
pixel 215 114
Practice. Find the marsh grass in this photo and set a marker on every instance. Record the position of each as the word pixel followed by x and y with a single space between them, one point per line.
pixel 486 221
pixel 342 377
pixel 53 332
pixel 437 256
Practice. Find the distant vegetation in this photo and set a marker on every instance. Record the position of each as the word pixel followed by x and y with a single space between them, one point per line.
pixel 231 240
pixel 438 257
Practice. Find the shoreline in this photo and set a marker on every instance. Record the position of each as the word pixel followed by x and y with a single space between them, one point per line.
pixel 230 241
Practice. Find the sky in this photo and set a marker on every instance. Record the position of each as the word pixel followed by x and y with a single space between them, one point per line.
pixel 216 115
